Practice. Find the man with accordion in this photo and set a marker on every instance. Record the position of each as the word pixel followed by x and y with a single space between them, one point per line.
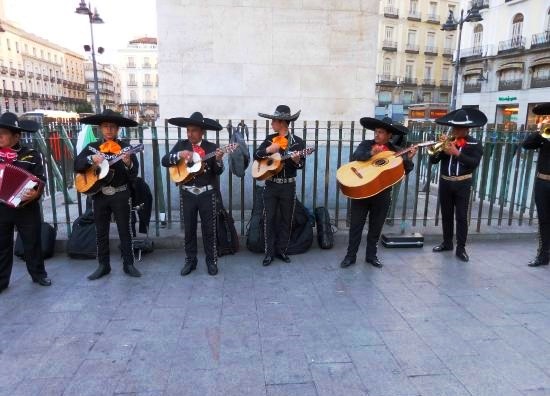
pixel 21 183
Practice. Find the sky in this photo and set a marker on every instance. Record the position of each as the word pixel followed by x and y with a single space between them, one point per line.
pixel 56 21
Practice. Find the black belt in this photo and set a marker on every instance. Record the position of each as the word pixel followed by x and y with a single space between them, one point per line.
pixel 282 180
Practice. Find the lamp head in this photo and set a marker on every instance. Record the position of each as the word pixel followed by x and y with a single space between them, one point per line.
pixel 450 24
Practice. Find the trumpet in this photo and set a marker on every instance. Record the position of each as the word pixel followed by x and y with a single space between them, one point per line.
pixel 441 145
pixel 545 130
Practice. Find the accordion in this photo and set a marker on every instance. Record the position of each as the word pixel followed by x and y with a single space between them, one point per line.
pixel 14 181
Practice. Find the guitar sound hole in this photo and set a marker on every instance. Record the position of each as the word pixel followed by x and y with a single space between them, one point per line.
pixel 380 162
pixel 269 162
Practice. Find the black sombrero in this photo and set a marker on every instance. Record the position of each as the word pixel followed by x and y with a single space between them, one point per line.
pixel 464 118
pixel 109 115
pixel 542 109
pixel 282 112
pixel 386 123
pixel 196 119
pixel 10 121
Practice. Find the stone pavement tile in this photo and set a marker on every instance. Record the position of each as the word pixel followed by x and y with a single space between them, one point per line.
pixel 102 368
pixel 91 386
pixel 380 372
pixel 145 374
pixel 89 321
pixel 10 333
pixel 472 329
pixel 203 315
pixel 192 382
pixel 536 392
pixel 56 366
pixel 412 354
pixel 428 293
pixel 41 386
pixel 358 334
pixel 303 389
pixel 115 346
pixel 439 385
pixel 240 379
pixel 527 342
pixel 15 368
pixel 485 311
pixel 275 319
pixel 200 348
pixel 284 360
pixel 337 379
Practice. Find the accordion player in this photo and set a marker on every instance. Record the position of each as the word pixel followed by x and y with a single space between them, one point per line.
pixel 21 178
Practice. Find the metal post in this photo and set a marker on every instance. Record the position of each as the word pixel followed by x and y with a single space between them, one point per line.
pixel 457 62
pixel 94 66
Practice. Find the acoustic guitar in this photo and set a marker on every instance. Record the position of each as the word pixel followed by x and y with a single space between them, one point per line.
pixel 363 179
pixel 96 176
pixel 184 171
pixel 268 167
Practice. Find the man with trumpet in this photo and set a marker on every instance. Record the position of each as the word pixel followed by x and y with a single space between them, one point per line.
pixel 540 140
pixel 459 155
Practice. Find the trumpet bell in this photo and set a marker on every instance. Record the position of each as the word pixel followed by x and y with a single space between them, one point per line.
pixel 545 131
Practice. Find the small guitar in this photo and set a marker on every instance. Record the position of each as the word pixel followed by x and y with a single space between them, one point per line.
pixel 96 176
pixel 268 167
pixel 363 179
pixel 183 171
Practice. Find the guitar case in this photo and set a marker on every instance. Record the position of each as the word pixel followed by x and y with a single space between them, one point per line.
pixel 48 242
pixel 413 240
pixel 82 242
pixel 325 234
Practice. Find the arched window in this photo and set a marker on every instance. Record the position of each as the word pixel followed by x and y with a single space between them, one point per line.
pixel 478 36
pixel 517 26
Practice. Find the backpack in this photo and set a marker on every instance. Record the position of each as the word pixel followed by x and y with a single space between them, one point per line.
pixel 48 242
pixel 82 243
pixel 239 159
pixel 325 234
pixel 227 238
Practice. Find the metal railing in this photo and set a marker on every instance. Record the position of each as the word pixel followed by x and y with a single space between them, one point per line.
pixel 540 82
pixel 505 85
pixel 471 87
pixel 502 188
pixel 514 44
pixel 541 40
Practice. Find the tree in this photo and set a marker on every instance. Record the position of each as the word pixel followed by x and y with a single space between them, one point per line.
pixel 84 107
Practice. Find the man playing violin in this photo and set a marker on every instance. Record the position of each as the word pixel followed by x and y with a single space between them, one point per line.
pixel 114 198
pixel 280 190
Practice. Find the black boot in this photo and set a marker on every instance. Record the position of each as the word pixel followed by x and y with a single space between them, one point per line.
pixel 190 265
pixel 267 260
pixel 102 270
pixel 132 271
pixel 538 261
pixel 347 261
pixel 212 268
pixel 283 256
pixel 43 281
pixel 442 247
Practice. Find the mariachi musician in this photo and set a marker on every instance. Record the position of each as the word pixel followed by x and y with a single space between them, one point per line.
pixel 114 198
pixel 280 190
pixel 376 206
pixel 27 217
pixel 199 193
pixel 540 140
pixel 459 157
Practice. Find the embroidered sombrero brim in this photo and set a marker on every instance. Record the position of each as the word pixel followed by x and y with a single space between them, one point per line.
pixel 204 123
pixel 373 123
pixel 281 116
pixel 465 118
pixel 542 109
pixel 98 119
pixel 22 126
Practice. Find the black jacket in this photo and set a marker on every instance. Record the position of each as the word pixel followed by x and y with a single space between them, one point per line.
pixel 211 167
pixel 363 153
pixel 294 144
pixel 535 141
pixel 465 163
pixel 123 175
pixel 30 160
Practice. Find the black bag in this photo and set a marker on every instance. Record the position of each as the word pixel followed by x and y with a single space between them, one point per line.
pixel 239 158
pixel 82 243
pixel 227 238
pixel 48 242
pixel 414 240
pixel 325 234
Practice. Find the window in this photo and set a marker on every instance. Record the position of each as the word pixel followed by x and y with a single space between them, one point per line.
pixel 444 97
pixel 387 67
pixel 452 8
pixel 407 97
pixel 42 54
pixel 133 97
pixel 148 95
pixel 428 67
pixel 388 33
pixel 445 73
pixel 542 72
pixel 33 51
pixel 426 97
pixel 478 36
pixel 131 61
pixel 8 43
pixel 449 39
pixel 548 20
pixel 17 46
pixel 26 49
pixel 430 40
pixel 433 8
pixel 384 97
pixel 517 26
pixel 409 69
pixel 413 6
pixel 411 37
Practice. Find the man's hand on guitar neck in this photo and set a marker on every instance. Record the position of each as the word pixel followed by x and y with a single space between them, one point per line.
pixel 273 148
pixel 186 155
pixel 412 153
pixel 219 154
pixel 97 159
pixel 296 156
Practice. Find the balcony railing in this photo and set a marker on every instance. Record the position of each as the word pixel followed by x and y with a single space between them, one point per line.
pixel 541 40
pixel 445 83
pixel 30 74
pixel 4 69
pixel 540 82
pixel 480 4
pixel 391 12
pixel 432 18
pixel 448 52
pixel 430 50
pixel 471 87
pixel 147 84
pixel 408 81
pixel 13 71
pixel 21 73
pixel 388 45
pixel 38 76
pixel 387 79
pixel 414 15
pixel 514 44
pixel 473 52
pixel 132 83
pixel 146 65
pixel 412 48
pixel 428 82
pixel 505 85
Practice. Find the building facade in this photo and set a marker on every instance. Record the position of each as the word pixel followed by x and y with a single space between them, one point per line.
pixel 108 80
pixel 137 64
pixel 232 60
pixel 414 62
pixel 35 73
pixel 505 61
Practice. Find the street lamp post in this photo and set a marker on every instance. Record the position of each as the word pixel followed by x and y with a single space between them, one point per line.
pixel 472 15
pixel 93 18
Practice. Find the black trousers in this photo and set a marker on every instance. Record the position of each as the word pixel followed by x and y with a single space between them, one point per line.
pixel 28 221
pixel 204 205
pixel 542 201
pixel 279 205
pixel 376 208
pixel 120 205
pixel 454 197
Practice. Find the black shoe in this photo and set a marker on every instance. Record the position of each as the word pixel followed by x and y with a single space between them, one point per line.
pixel 102 270
pixel 43 281
pixel 130 270
pixel 2 288
pixel 346 262
pixel 374 262
pixel 212 268
pixel 537 262
pixel 283 257
pixel 267 261
pixel 441 248
pixel 462 255
pixel 190 265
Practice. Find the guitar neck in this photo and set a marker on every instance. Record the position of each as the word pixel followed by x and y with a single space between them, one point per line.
pixel 213 153
pixel 405 151
pixel 302 153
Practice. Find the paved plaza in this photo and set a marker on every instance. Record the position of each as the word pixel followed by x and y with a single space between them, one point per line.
pixel 425 324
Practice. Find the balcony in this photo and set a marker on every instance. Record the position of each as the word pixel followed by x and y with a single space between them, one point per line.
pixel 59 81
pixel 412 48
pixel 540 82
pixel 541 40
pixel 24 95
pixel 472 87
pixel 432 18
pixel 132 83
pixel 146 65
pixel 473 52
pixel 147 84
pixel 506 85
pixel 480 4
pixel 414 15
pixel 52 79
pixel 391 12
pixel 30 74
pixel 514 44
pixel 445 83
pixel 131 65
pixel 7 93
pixel 448 52
pixel 410 81
pixel 430 50
pixel 4 69
pixel 386 79
pixel 21 73
pixel 389 45
pixel 38 76
pixel 428 82
pixel 16 94
pixel 45 77
pixel 13 71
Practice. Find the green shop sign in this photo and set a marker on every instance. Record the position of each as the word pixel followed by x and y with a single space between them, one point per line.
pixel 507 98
